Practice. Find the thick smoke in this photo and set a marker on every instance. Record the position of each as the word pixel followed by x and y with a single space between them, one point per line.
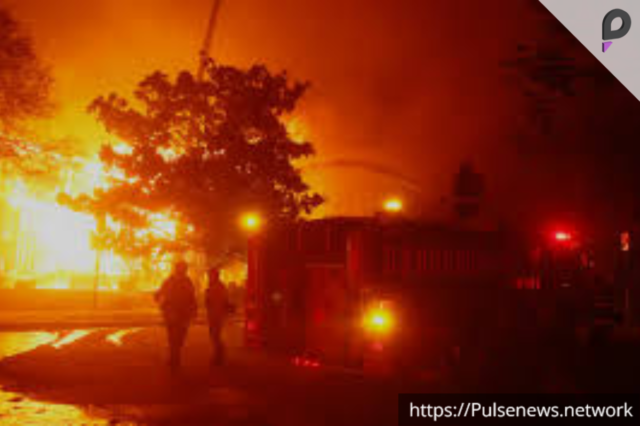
pixel 410 85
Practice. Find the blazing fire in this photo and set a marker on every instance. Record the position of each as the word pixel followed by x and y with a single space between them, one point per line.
pixel 47 245
pixel 50 237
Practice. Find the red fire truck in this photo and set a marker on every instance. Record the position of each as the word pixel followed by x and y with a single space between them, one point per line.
pixel 397 294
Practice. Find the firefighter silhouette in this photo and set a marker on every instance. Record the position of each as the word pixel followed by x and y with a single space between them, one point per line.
pixel 217 303
pixel 177 301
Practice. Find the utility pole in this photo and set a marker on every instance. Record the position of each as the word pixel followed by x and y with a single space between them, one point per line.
pixel 96 279
pixel 100 230
pixel 208 39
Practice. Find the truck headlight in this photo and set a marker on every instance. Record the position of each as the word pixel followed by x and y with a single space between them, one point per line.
pixel 378 320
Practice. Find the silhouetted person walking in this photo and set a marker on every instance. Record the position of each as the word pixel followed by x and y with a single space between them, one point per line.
pixel 217 304
pixel 177 301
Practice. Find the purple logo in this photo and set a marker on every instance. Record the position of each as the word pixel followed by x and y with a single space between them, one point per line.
pixel 607 27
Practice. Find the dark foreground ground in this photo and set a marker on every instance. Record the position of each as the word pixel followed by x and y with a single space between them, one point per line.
pixel 124 380
pixel 118 376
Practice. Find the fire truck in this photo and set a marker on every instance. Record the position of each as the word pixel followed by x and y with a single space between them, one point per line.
pixel 398 295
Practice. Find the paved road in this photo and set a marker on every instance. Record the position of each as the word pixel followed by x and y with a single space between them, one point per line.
pixel 119 376
pixel 18 409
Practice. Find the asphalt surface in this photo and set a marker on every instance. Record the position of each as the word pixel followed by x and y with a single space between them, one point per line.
pixel 119 376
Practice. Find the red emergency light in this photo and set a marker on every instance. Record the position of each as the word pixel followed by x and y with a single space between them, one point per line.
pixel 305 361
pixel 562 236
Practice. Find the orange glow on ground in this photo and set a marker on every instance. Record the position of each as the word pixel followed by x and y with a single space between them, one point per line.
pixel 117 337
pixel 70 338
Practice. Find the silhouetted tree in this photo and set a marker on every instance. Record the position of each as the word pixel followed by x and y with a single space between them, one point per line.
pixel 25 84
pixel 580 150
pixel 202 152
pixel 25 89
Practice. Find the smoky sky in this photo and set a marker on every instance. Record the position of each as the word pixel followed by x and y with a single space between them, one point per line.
pixel 414 85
